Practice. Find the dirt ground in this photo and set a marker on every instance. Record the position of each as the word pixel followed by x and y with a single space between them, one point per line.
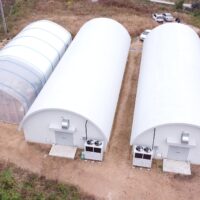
pixel 114 178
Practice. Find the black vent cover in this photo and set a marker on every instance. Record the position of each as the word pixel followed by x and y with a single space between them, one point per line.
pixel 90 142
pixel 139 148
pixel 98 143
pixel 147 149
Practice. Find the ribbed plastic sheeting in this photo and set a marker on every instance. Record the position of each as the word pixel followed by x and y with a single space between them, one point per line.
pixel 26 63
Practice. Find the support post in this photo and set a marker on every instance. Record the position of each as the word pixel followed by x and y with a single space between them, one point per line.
pixel 3 18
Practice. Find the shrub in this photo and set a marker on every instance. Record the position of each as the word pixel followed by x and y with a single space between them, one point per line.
pixel 179 4
pixel 6 179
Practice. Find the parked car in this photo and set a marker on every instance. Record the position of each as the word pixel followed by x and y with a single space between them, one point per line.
pixel 195 6
pixel 144 34
pixel 158 17
pixel 168 17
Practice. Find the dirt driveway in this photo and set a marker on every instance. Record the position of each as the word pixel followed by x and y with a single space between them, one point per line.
pixel 115 178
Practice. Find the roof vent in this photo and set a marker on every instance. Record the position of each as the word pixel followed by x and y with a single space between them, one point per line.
pixel 65 124
pixel 185 138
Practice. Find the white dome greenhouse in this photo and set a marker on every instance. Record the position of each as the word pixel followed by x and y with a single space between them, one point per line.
pixel 167 110
pixel 26 63
pixel 83 90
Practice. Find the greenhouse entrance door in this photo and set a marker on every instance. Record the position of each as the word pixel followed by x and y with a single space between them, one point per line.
pixel 178 153
pixel 62 138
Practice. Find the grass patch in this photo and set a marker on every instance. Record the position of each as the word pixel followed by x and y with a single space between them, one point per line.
pixel 179 4
pixel 21 7
pixel 15 10
pixel 195 18
pixel 18 184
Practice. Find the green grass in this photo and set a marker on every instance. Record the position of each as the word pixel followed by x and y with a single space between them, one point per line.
pixel 195 18
pixel 14 11
pixel 18 184
pixel 21 7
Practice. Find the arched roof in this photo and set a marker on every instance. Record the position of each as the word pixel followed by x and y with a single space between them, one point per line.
pixel 27 61
pixel 168 89
pixel 88 78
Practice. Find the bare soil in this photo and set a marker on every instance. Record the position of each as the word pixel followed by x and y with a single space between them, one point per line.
pixel 114 178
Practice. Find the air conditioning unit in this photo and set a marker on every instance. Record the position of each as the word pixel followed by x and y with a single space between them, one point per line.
pixel 142 156
pixel 93 150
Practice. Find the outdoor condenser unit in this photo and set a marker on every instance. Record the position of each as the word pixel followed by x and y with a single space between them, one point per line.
pixel 142 156
pixel 93 150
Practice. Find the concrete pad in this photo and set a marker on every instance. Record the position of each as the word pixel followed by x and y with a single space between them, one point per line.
pixel 174 166
pixel 63 151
